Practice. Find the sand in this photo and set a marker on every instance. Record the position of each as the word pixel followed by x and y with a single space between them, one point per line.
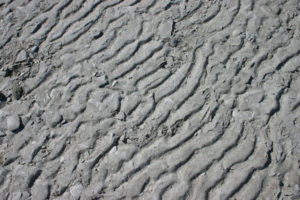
pixel 149 99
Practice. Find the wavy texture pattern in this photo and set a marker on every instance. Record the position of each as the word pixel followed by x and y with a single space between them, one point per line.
pixel 150 99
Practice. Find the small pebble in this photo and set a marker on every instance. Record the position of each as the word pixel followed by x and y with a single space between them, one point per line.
pixel 121 116
pixel 123 139
pixel 114 83
pixel 35 49
pixel 22 56
pixel 25 119
pixel 13 122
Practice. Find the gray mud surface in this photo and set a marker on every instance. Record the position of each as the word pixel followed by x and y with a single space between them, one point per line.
pixel 149 99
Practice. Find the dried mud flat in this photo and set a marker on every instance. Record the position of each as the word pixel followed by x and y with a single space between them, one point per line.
pixel 149 99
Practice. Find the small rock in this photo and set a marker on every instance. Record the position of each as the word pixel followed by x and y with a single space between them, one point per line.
pixel 17 91
pixel 114 83
pixel 121 116
pixel 13 122
pixel 76 191
pixel 123 139
pixel 25 119
pixel 34 49
pixel 22 56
